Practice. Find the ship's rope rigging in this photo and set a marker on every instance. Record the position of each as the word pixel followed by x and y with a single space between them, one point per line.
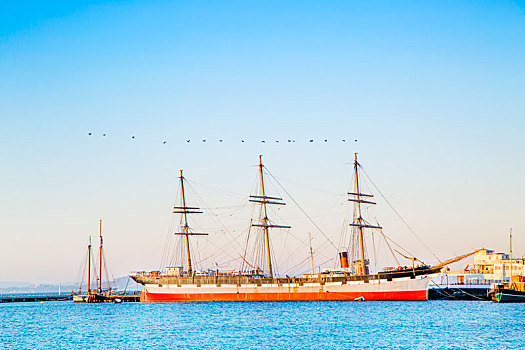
pixel 398 214
pixel 374 231
pixel 218 221
pixel 95 277
pixel 301 208
pixel 82 271
pixel 319 251
pixel 214 216
pixel 284 256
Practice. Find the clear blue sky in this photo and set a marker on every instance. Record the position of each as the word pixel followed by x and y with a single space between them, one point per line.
pixel 433 91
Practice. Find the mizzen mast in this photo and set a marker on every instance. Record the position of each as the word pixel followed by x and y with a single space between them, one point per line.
pixel 89 266
pixel 263 199
pixel 185 229
pixel 359 222
pixel 100 258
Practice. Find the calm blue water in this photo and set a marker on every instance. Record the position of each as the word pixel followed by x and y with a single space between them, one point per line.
pixel 294 325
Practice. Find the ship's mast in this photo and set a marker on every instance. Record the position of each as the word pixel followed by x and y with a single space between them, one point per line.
pixel 359 222
pixel 184 210
pixel 359 218
pixel 510 251
pixel 311 252
pixel 89 266
pixel 100 257
pixel 265 222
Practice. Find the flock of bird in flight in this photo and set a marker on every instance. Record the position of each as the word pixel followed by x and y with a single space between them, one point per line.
pixel 242 141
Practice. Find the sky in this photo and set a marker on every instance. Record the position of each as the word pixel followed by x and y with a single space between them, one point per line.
pixel 433 92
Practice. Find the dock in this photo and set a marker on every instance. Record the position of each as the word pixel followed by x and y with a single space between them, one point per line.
pixel 96 297
pixel 32 297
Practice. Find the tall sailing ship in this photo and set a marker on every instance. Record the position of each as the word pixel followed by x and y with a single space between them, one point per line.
pixel 351 281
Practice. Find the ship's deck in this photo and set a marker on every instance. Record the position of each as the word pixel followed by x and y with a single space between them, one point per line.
pixel 257 280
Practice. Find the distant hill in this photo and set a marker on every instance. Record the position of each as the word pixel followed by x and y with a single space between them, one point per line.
pixel 6 287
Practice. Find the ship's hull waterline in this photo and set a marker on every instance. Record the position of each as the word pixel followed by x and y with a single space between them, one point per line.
pixel 400 289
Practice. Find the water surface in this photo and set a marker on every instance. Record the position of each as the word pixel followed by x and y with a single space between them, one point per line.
pixel 283 325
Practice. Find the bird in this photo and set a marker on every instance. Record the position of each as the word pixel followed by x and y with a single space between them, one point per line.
pixel 289 140
pixel 263 141
pixel 277 141
pixel 188 141
pixel 325 140
pixel 203 140
pixel 220 140
pixel 89 133
pixel 132 137
pixel 355 140
pixel 165 142
pixel 242 140
pixel 343 140
pixel 311 140
pixel 103 134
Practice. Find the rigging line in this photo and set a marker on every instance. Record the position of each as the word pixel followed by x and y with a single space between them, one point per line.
pixel 247 240
pixel 326 261
pixel 81 270
pixel 229 207
pixel 320 250
pixel 399 246
pixel 300 208
pixel 292 255
pixel 307 186
pixel 219 189
pixel 106 270
pixel 167 253
pixel 388 244
pixel 275 263
pixel 84 268
pixel 399 215
pixel 296 267
pixel 95 266
pixel 218 222
pixel 374 248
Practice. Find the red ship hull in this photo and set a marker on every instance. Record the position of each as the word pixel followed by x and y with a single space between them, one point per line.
pixel 417 295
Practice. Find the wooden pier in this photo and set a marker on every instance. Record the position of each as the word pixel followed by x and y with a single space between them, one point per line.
pixel 32 297
pixel 96 297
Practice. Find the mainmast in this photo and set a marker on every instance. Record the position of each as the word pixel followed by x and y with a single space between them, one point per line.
pixel 184 210
pixel 265 222
pixel 100 258
pixel 510 253
pixel 89 266
pixel 358 219
pixel 311 252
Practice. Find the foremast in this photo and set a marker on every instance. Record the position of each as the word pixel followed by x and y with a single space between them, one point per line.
pixel 185 229
pixel 89 267
pixel 100 258
pixel 263 199
pixel 358 221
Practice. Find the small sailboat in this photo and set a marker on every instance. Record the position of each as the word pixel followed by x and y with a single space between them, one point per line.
pixel 512 291
pixel 97 295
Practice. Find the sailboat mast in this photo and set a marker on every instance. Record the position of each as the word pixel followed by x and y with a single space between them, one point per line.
pixel 265 221
pixel 311 252
pixel 359 218
pixel 510 251
pixel 89 266
pixel 185 228
pixel 100 257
